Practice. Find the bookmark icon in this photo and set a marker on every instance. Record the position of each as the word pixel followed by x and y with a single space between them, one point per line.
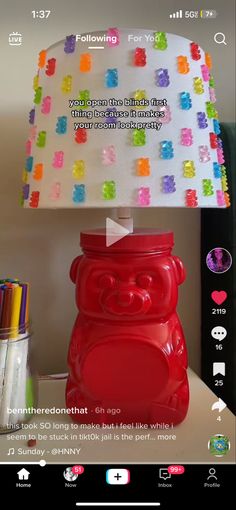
pixel 219 368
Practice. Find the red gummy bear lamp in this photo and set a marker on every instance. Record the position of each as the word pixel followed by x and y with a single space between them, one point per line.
pixel 130 125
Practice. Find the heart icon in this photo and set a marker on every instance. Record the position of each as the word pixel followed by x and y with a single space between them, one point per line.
pixel 219 296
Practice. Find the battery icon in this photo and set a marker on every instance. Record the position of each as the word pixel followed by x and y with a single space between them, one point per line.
pixel 208 14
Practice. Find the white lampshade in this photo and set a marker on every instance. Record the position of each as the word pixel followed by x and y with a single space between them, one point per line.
pixel 175 160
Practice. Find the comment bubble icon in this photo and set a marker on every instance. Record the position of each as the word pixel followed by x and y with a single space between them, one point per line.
pixel 219 333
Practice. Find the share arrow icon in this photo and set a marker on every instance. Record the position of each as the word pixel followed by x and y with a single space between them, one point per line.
pixel 219 404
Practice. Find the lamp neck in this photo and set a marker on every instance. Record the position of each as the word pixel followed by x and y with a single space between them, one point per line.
pixel 124 218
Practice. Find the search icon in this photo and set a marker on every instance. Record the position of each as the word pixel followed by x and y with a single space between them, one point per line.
pixel 219 38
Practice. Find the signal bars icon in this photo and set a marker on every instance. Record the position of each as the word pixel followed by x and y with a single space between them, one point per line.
pixel 177 14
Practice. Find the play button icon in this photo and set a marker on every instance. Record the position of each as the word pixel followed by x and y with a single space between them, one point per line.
pixel 114 232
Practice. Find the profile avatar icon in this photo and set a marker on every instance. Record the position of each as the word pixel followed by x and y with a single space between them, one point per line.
pixel 219 260
pixel 69 475
pixel 212 474
pixel 219 445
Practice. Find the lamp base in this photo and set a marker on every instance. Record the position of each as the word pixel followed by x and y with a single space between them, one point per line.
pixel 127 356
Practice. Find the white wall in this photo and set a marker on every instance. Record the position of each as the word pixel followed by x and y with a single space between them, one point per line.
pixel 38 246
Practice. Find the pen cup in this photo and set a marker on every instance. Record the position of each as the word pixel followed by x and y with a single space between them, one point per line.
pixel 18 384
